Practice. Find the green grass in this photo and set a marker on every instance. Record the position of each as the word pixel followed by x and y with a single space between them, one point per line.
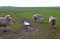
pixel 20 13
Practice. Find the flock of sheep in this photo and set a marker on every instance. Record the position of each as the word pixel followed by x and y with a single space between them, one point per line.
pixel 5 22
pixel 39 18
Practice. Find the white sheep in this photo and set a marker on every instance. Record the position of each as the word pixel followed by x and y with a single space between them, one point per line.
pixel 52 20
pixel 5 22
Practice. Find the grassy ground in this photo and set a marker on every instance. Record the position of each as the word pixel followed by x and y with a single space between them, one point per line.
pixel 45 30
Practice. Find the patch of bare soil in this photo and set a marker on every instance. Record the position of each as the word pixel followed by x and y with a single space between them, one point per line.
pixel 15 34
pixel 11 34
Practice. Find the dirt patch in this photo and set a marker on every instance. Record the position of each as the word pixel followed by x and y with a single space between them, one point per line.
pixel 15 34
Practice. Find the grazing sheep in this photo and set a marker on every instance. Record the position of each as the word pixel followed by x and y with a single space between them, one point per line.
pixel 6 21
pixel 38 18
pixel 52 20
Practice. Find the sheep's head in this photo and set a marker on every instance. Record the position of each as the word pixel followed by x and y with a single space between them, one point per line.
pixel 9 19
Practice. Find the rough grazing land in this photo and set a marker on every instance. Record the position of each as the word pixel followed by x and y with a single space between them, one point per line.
pixel 45 29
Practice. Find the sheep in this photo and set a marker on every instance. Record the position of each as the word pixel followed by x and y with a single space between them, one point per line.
pixel 52 20
pixel 38 18
pixel 5 22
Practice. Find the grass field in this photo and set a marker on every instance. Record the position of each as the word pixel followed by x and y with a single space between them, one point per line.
pixel 45 30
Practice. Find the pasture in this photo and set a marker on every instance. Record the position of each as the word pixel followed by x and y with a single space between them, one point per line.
pixel 45 29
